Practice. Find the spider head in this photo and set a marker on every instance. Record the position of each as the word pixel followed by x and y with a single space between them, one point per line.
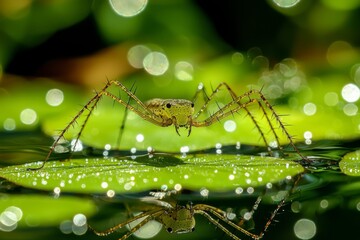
pixel 173 111
pixel 180 110
pixel 179 220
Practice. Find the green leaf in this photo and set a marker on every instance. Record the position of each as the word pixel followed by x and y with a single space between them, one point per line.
pixel 143 173
pixel 29 209
pixel 350 164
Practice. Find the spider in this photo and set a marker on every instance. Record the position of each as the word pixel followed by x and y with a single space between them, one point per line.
pixel 180 219
pixel 181 112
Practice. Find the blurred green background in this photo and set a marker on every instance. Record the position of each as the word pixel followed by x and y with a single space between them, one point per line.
pixel 303 54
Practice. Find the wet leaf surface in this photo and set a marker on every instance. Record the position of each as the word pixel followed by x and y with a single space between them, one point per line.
pixel 218 173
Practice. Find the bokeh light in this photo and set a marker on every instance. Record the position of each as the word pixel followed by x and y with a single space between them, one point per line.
pixel 350 93
pixel 309 109
pixel 9 218
pixel 28 116
pixel 128 8
pixel 149 230
pixel 184 71
pixel 54 97
pixel 156 63
pixel 305 229
pixel 136 55
pixel 230 126
pixel 331 99
pixel 286 3
pixel 9 124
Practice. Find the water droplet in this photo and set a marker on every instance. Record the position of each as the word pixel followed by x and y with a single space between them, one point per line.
pixel 230 126
pixel 104 185
pixel 204 192
pixel 128 8
pixel 140 138
pixel 54 97
pixel 76 145
pixel 239 190
pixel 250 190
pixel 110 193
pixel 307 135
pixel 247 216
pixel 156 63
pixel 184 149
pixel 178 187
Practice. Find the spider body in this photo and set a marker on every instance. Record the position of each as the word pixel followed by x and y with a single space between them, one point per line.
pixel 179 219
pixel 177 112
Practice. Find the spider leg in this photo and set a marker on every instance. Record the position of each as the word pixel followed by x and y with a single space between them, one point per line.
pixel 88 106
pixel 234 98
pixel 144 113
pixel 254 208
pixel 204 210
pixel 122 127
pixel 243 102
pixel 150 215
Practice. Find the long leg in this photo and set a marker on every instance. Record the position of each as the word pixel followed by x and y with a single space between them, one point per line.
pixel 243 102
pixel 204 209
pixel 90 106
pixel 150 215
pixel 234 97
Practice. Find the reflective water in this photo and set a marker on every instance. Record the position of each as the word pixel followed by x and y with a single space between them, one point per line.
pixel 325 203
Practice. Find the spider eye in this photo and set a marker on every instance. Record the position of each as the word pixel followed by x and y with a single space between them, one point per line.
pixel 193 229
pixel 168 105
pixel 169 230
pixel 192 105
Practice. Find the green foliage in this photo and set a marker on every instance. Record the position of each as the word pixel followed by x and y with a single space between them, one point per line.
pixel 350 164
pixel 217 173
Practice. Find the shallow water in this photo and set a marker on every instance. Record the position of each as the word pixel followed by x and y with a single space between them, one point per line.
pixel 325 199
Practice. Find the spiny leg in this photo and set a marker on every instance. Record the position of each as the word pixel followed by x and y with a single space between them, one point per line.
pixel 253 209
pixel 123 122
pixel 280 123
pixel 217 224
pixel 237 104
pixel 88 106
pixel 280 205
pixel 150 215
pixel 234 98
pixel 218 213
